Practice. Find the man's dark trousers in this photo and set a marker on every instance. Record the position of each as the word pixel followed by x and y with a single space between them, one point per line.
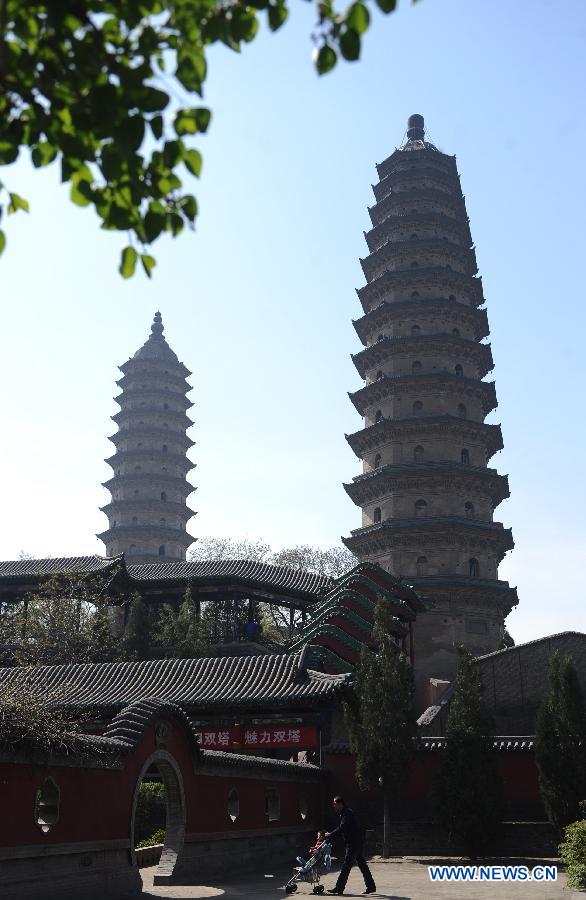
pixel 353 855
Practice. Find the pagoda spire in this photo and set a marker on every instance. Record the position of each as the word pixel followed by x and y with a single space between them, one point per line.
pixel 426 492
pixel 148 512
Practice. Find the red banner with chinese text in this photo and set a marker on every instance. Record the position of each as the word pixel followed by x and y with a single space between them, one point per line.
pixel 248 737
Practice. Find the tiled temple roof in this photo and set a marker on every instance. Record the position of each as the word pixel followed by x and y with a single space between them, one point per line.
pixel 192 684
pixel 307 585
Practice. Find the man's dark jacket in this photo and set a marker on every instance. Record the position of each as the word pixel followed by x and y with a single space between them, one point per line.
pixel 350 828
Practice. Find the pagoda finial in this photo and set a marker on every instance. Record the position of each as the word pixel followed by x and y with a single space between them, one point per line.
pixel 157 327
pixel 416 127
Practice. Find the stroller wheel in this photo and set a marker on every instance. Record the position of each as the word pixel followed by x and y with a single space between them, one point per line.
pixel 291 888
pixel 319 889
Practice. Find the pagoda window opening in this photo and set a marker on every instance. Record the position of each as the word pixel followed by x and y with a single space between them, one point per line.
pixel 379 375
pixel 462 411
pixel 416 367
pixel 163 495
pixel 162 550
pixel 162 521
pixel 377 460
pixel 418 453
pixel 376 516
pixel 417 407
pixel 459 370
pixel 456 332
pixel 465 457
pixel 414 264
pixel 134 520
pixel 164 448
pixel 473 568
pixel 378 417
pixel 165 406
pixel 415 293
pixel 451 297
pixel 469 510
pixel 137 468
pixel 421 566
pixel 136 492
pixel 415 330
pixel 420 508
pixel 448 267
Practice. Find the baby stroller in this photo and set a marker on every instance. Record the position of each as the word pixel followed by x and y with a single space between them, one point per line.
pixel 312 870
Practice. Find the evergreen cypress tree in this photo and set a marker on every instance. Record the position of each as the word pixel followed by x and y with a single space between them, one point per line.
pixel 468 790
pixel 136 641
pixel 381 720
pixel 560 744
pixel 181 634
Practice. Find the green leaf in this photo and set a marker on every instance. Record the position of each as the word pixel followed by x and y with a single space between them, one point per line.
pixel 190 121
pixel 387 6
pixel 80 192
pixel 2 242
pixel 189 207
pixel 324 59
pixel 358 18
pixel 156 124
pixel 154 224
pixel 17 202
pixel 128 262
pixel 148 263
pixel 277 13
pixel 193 161
pixel 43 154
pixel 173 152
pixel 350 45
pixel 243 24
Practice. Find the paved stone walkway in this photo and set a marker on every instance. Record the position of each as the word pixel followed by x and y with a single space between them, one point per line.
pixel 397 879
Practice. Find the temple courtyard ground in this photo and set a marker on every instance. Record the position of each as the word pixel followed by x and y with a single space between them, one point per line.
pixel 401 878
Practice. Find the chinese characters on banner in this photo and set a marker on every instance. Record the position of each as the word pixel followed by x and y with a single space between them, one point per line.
pixel 286 737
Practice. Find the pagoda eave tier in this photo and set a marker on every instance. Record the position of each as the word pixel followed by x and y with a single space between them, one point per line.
pixel 466 588
pixel 168 507
pixel 435 383
pixel 425 151
pixel 443 426
pixel 134 396
pixel 154 456
pixel 413 176
pixel 439 476
pixel 426 531
pixel 457 228
pixel 142 532
pixel 423 277
pixel 176 482
pixel 131 434
pixel 447 252
pixel 131 416
pixel 387 314
pixel 378 353
pixel 403 202
pixel 137 364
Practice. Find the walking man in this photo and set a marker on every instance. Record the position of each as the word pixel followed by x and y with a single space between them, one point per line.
pixel 354 837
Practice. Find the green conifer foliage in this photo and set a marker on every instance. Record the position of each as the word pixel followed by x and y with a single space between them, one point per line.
pixel 181 634
pixel 468 791
pixel 381 720
pixel 560 744
pixel 137 631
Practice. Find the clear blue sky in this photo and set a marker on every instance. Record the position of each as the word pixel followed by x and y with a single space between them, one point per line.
pixel 259 301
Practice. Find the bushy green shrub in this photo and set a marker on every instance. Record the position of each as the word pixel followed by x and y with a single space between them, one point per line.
pixel 157 838
pixel 573 854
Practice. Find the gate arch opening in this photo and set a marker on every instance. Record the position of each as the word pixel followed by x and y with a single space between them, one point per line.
pixel 174 796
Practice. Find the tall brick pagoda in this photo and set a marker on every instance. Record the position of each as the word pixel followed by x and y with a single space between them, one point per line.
pixel 148 512
pixel 426 492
